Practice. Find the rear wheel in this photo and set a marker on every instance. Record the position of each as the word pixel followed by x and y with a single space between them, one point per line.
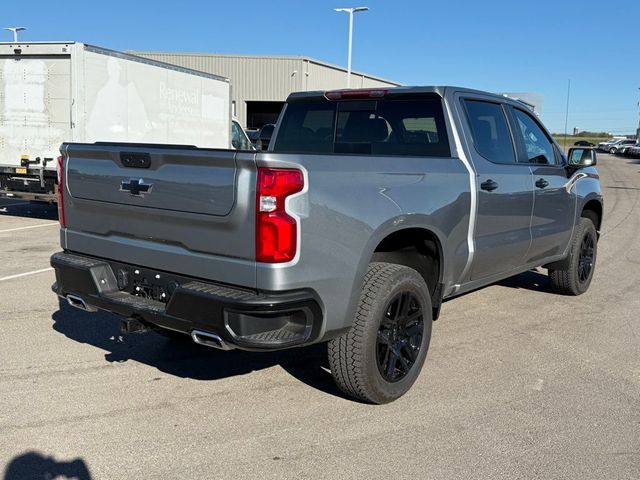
pixel 575 277
pixel 381 356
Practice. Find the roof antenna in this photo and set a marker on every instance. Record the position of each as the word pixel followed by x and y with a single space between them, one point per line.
pixel 15 31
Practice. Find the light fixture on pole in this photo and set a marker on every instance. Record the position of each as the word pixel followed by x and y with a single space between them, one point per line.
pixel 350 11
pixel 15 31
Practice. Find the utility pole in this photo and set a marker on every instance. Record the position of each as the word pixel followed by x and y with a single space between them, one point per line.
pixel 566 115
pixel 638 130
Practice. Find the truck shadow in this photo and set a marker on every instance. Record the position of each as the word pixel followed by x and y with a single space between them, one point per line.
pixel 21 208
pixel 186 359
pixel 529 280
pixel 35 465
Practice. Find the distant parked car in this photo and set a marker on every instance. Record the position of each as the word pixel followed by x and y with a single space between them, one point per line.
pixel 239 139
pixel 583 143
pixel 633 151
pixel 624 149
pixel 264 136
pixel 605 146
pixel 252 133
pixel 615 147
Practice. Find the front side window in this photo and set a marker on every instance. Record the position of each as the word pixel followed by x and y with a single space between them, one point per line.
pixel 538 147
pixel 490 131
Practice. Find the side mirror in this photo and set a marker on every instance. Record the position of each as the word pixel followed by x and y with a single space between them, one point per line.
pixel 582 157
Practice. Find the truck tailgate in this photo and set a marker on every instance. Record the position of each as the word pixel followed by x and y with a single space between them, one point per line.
pixel 179 209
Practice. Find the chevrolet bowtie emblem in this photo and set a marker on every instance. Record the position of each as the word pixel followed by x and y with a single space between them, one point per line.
pixel 136 187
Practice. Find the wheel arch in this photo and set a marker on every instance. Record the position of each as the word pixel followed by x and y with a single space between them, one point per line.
pixel 417 247
pixel 592 210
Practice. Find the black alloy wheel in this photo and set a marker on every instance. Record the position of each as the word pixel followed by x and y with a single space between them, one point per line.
pixel 586 257
pixel 573 275
pixel 399 336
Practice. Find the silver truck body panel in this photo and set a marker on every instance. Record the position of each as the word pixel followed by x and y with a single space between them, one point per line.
pixel 201 184
pixel 339 232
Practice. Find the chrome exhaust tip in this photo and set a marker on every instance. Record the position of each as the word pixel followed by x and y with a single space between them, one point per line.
pixel 209 339
pixel 77 302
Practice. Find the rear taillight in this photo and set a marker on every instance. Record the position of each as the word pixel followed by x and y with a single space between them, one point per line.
pixel 61 217
pixel 276 230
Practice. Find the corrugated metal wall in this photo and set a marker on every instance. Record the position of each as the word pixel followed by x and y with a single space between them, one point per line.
pixel 325 77
pixel 255 78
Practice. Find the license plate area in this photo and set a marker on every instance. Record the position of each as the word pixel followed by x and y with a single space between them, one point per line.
pixel 146 283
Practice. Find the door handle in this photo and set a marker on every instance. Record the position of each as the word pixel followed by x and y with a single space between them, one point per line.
pixel 489 185
pixel 542 183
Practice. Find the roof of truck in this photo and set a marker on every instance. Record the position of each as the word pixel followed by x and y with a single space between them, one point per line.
pixel 404 90
pixel 400 91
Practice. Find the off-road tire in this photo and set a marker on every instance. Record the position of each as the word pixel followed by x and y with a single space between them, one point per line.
pixel 569 280
pixel 354 357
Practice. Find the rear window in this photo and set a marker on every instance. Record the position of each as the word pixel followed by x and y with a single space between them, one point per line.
pixel 376 127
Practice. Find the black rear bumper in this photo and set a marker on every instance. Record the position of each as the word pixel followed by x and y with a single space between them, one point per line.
pixel 246 319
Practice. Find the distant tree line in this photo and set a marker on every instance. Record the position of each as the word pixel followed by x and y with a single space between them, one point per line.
pixel 585 133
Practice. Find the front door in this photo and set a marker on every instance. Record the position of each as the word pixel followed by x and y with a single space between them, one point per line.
pixel 554 206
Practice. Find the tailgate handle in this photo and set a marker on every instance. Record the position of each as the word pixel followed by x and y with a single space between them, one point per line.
pixel 135 159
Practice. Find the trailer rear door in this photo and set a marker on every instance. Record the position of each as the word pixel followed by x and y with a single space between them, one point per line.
pixel 35 106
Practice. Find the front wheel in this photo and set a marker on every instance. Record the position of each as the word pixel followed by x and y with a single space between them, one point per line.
pixel 612 151
pixel 381 356
pixel 575 277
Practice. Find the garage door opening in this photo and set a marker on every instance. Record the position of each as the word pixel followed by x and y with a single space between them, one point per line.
pixel 261 113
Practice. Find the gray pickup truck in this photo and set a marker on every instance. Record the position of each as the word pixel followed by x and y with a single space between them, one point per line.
pixel 368 209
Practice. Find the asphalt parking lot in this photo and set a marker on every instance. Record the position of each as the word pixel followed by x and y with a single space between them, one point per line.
pixel 519 383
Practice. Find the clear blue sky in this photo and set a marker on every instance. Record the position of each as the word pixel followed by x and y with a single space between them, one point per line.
pixel 517 46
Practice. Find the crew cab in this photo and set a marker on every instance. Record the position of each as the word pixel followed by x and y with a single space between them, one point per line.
pixel 367 210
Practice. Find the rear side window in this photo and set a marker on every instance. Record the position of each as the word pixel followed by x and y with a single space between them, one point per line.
pixel 491 135
pixel 376 127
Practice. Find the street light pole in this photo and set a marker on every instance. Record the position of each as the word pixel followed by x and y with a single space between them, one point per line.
pixel 638 130
pixel 350 11
pixel 15 31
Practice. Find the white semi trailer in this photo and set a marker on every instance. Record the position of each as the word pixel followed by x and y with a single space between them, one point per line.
pixel 54 92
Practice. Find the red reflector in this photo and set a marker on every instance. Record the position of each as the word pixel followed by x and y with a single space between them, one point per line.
pixel 276 230
pixel 355 94
pixel 61 217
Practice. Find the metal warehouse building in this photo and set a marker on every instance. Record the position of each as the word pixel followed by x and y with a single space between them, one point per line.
pixel 261 84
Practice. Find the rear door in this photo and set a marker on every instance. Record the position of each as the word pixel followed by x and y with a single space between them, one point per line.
pixel 35 106
pixel 180 209
pixel 505 191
